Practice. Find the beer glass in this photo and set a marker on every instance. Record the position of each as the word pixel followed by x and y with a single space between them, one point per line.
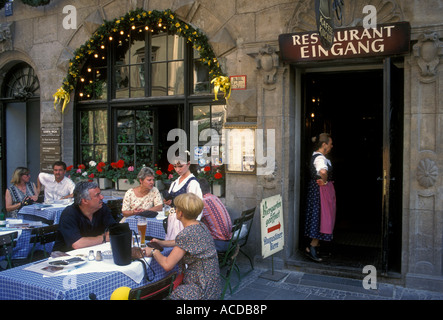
pixel 141 226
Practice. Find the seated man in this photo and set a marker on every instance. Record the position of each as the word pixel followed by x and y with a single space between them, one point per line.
pixel 57 186
pixel 83 223
pixel 216 218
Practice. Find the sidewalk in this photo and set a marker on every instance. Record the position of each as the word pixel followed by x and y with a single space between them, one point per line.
pixel 303 286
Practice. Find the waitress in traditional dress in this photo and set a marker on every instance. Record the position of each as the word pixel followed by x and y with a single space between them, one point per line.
pixel 185 183
pixel 21 188
pixel 320 175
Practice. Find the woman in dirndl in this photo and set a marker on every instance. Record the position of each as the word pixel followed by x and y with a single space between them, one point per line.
pixel 319 225
pixel 185 183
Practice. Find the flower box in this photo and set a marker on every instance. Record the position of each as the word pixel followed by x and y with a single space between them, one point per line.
pixel 124 184
pixel 104 183
pixel 218 189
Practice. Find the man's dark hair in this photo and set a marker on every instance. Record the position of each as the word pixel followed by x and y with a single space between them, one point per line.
pixel 204 185
pixel 59 163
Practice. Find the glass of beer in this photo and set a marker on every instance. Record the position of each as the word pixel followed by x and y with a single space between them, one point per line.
pixel 141 226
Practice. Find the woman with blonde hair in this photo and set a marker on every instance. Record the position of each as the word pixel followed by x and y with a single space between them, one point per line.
pixel 21 189
pixel 194 251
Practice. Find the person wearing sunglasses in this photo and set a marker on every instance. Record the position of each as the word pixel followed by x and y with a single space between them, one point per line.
pixel 20 190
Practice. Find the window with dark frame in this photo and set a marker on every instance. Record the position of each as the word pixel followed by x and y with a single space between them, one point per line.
pixel 140 74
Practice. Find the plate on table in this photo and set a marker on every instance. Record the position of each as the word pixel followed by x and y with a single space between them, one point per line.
pixel 67 261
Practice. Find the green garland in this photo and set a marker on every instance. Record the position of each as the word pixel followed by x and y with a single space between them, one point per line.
pixel 155 20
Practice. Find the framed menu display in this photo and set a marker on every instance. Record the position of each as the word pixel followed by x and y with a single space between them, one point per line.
pixel 240 147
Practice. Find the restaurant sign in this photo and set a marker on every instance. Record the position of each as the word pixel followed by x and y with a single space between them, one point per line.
pixel 384 40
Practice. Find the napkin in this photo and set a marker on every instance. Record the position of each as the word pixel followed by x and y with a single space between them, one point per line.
pixel 134 270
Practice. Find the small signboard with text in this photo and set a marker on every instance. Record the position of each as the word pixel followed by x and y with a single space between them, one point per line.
pixel 272 231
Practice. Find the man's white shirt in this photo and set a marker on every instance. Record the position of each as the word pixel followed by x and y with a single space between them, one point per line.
pixel 55 190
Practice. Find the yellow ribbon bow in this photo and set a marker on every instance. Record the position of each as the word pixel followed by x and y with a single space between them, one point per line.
pixel 223 84
pixel 60 95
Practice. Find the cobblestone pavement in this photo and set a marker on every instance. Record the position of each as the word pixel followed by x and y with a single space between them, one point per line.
pixel 302 286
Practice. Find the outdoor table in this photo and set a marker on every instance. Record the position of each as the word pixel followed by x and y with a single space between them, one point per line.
pixel 50 213
pixel 23 246
pixel 154 227
pixel 79 284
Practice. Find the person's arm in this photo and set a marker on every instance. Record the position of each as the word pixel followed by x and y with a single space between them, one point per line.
pixel 164 243
pixel 166 262
pixel 89 241
pixel 8 202
pixel 324 177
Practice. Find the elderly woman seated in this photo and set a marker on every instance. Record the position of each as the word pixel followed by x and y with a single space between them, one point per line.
pixel 144 197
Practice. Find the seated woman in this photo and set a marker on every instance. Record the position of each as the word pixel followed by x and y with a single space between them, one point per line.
pixel 20 189
pixel 144 197
pixel 194 251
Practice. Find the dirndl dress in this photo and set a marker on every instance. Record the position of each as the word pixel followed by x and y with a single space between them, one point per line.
pixel 313 205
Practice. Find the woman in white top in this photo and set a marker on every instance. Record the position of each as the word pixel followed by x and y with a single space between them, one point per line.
pixel 144 197
pixel 185 183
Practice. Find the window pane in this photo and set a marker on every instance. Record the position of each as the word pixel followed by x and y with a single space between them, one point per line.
pixel 175 48
pixel 144 156
pixel 137 81
pixel 87 154
pixel 176 78
pixel 126 153
pixel 158 79
pixel 218 117
pixel 125 126
pixel 202 115
pixel 100 127
pixel 201 75
pixel 101 153
pixel 137 52
pixel 144 127
pixel 85 126
pixel 122 82
pixel 158 48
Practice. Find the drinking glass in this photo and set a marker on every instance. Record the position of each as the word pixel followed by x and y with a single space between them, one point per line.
pixel 141 226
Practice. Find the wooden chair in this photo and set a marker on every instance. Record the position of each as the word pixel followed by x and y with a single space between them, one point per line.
pixel 154 291
pixel 42 236
pixel 7 244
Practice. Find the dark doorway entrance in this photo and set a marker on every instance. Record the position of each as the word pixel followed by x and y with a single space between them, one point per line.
pixel 351 106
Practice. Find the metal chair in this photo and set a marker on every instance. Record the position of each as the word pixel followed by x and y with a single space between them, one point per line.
pixel 7 244
pixel 42 236
pixel 154 291
pixel 228 259
pixel 247 217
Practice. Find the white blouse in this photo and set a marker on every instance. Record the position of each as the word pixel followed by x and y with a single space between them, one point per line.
pixel 321 162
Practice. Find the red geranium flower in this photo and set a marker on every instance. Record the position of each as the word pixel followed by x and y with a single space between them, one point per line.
pixel 159 172
pixel 170 167
pixel 81 166
pixel 91 176
pixel 218 175
pixel 69 168
pixel 101 164
pixel 120 164
pixel 207 169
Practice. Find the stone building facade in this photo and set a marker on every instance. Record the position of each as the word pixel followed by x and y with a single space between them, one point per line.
pixel 244 37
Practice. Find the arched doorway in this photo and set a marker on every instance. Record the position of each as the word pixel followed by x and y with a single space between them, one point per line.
pixel 20 122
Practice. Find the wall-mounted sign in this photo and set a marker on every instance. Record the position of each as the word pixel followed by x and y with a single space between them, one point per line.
pixel 240 147
pixel 325 23
pixel 272 231
pixel 385 40
pixel 238 82
pixel 50 148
